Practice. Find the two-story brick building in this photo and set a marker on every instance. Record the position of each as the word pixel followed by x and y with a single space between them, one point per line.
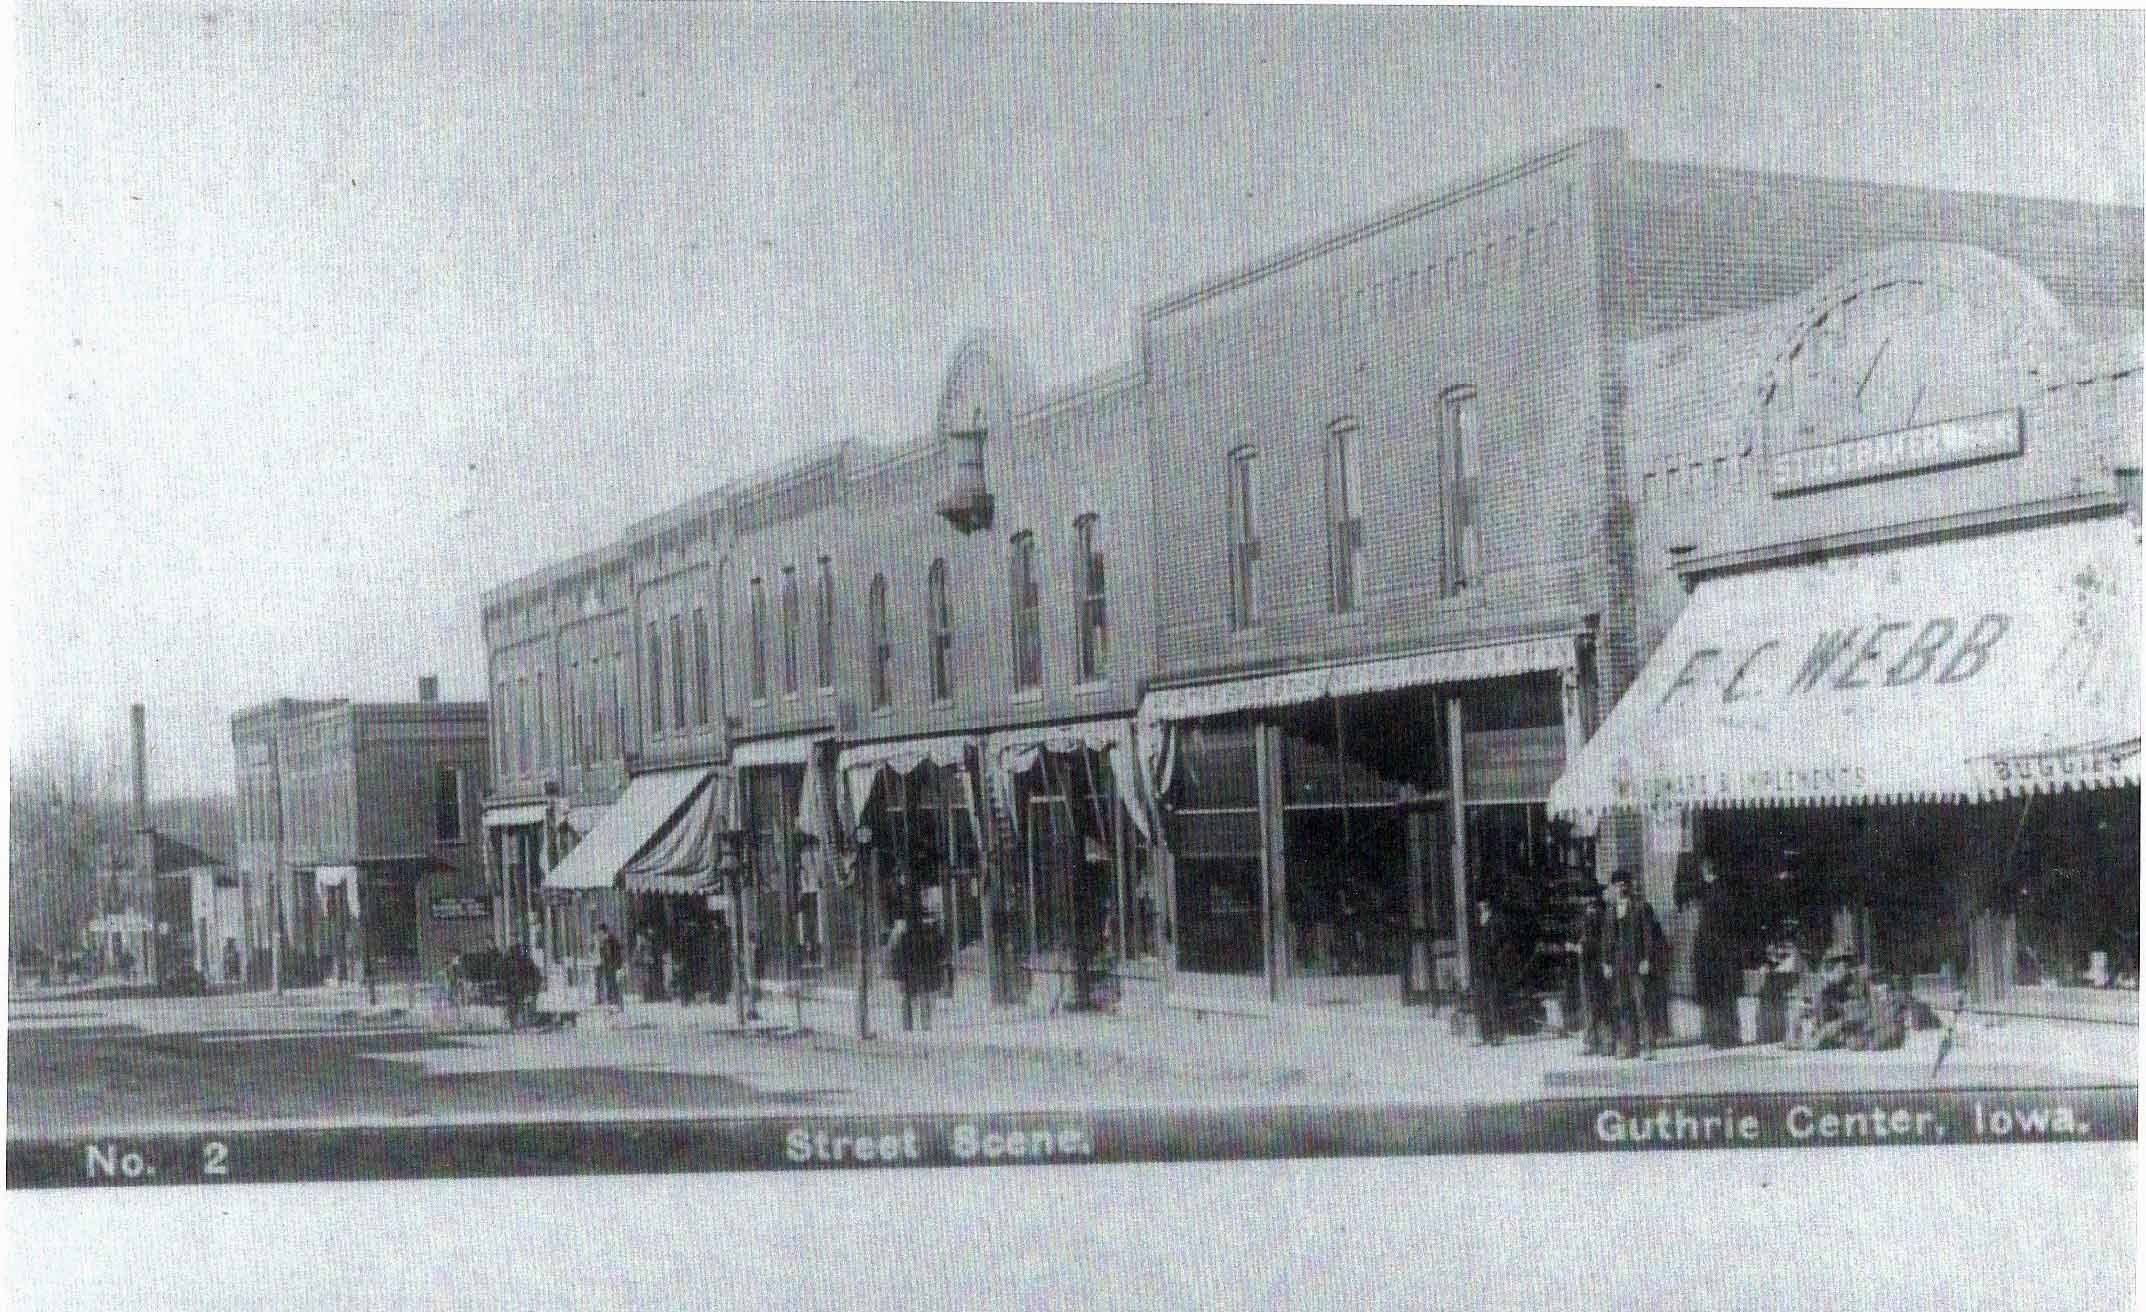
pixel 1413 582
pixel 1891 604
pixel 1351 558
pixel 353 818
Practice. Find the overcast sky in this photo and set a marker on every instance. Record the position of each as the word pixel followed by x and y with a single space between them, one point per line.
pixel 334 317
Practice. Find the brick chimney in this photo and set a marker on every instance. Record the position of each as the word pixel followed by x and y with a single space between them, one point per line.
pixel 428 687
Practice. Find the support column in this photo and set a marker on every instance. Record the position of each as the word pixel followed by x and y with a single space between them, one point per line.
pixel 1273 856
pixel 1457 812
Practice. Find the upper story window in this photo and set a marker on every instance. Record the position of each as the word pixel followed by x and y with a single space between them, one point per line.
pixel 1461 432
pixel 543 725
pixel 823 618
pixel 502 708
pixel 941 615
pixel 790 621
pixel 1242 515
pixel 678 671
pixel 882 653
pixel 1026 596
pixel 700 666
pixel 1089 585
pixel 621 689
pixel 759 639
pixel 570 714
pixel 1344 515
pixel 655 678
pixel 521 725
pixel 447 804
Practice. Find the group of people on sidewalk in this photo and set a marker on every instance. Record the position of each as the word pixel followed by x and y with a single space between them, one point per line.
pixel 694 961
pixel 1621 959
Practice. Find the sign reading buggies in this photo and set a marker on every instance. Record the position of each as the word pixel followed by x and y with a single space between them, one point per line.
pixel 461 908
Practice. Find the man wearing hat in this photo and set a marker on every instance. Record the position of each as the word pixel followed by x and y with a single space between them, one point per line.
pixel 1631 955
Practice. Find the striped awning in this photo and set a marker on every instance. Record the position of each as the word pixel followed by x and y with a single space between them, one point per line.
pixel 649 809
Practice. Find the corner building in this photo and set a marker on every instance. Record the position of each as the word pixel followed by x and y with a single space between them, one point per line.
pixel 1400 492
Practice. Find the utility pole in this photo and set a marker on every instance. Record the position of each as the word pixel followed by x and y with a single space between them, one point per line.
pixel 868 935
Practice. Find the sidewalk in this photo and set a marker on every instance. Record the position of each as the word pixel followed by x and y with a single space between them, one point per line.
pixel 1404 1054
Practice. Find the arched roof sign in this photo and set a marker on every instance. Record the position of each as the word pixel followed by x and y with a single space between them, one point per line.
pixel 986 383
pixel 1903 338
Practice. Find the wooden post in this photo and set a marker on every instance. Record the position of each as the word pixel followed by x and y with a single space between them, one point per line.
pixel 866 937
pixel 740 972
pixel 1457 804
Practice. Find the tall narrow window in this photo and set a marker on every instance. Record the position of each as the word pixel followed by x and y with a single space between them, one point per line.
pixel 700 666
pixel 447 805
pixel 543 725
pixel 759 638
pixel 621 689
pixel 1462 435
pixel 1025 596
pixel 1089 587
pixel 882 653
pixel 655 678
pixel 1344 516
pixel 571 710
pixel 678 671
pixel 502 709
pixel 823 616
pixel 941 616
pixel 521 725
pixel 790 621
pixel 1243 530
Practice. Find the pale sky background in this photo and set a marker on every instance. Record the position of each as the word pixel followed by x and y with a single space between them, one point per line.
pixel 333 317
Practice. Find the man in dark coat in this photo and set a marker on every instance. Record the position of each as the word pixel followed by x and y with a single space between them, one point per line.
pixel 1594 989
pixel 610 958
pixel 1631 957
pixel 1716 958
pixel 1489 948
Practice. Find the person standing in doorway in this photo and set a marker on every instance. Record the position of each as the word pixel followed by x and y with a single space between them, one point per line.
pixel 1631 955
pixel 1489 968
pixel 610 958
pixel 1716 958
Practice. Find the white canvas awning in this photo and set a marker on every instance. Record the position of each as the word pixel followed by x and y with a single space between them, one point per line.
pixel 861 765
pixel 515 814
pixel 1295 687
pixel 793 750
pixel 1947 671
pixel 1018 751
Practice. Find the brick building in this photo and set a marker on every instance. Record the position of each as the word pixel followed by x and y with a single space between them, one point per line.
pixel 1889 547
pixel 1237 673
pixel 354 819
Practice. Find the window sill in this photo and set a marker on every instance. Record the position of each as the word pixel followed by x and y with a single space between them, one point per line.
pixel 1093 687
pixel 1027 697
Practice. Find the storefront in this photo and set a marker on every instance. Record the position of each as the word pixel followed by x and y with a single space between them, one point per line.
pixel 1925 754
pixel 651 867
pixel 1329 830
pixel 517 852
pixel 1080 906
pixel 919 800
pixel 795 929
